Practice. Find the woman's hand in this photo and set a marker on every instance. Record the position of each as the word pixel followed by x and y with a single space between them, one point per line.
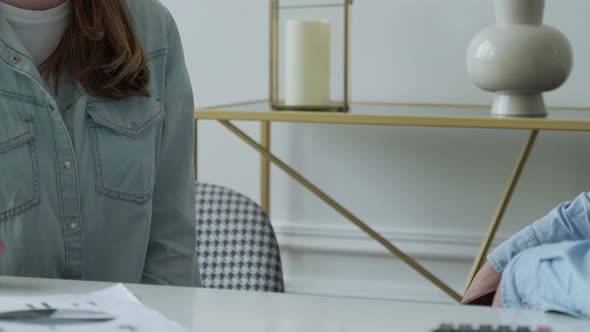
pixel 486 281
pixel 1 248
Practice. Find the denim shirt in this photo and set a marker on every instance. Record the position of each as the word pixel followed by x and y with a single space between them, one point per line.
pixel 570 221
pixel 102 189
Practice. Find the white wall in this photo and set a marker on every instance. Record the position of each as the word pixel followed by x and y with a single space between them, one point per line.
pixel 431 190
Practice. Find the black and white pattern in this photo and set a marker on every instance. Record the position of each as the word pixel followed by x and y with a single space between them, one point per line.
pixel 236 244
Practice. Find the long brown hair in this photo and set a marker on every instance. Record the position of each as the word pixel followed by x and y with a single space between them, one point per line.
pixel 101 50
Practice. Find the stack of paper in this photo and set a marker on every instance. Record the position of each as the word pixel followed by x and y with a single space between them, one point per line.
pixel 130 315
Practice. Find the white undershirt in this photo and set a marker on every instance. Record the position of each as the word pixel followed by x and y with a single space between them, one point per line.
pixel 40 31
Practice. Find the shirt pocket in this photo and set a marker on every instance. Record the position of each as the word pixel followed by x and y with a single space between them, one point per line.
pixel 19 172
pixel 124 137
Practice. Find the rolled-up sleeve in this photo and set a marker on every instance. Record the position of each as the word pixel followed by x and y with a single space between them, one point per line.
pixel 500 257
pixel 553 277
pixel 567 222
pixel 171 255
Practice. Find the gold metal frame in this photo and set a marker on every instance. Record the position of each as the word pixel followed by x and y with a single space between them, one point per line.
pixel 265 167
pixel 224 114
pixel 343 211
pixel 518 169
pixel 274 32
pixel 249 113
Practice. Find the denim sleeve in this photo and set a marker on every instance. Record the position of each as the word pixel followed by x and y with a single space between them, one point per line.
pixel 171 255
pixel 551 277
pixel 567 222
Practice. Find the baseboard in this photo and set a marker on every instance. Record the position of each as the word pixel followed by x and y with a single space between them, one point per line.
pixel 458 246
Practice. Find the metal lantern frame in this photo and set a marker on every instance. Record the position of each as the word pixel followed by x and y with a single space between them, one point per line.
pixel 274 71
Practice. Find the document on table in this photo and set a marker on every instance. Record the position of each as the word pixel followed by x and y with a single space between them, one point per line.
pixel 130 315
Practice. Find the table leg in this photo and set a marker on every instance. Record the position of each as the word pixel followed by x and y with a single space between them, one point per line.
pixel 344 212
pixel 265 141
pixel 518 168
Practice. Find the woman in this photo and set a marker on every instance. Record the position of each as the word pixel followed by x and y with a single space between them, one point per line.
pixel 96 137
pixel 546 266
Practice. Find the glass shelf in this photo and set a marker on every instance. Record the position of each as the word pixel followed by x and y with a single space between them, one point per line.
pixel 403 114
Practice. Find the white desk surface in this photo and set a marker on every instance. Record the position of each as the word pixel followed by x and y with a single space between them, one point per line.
pixel 203 310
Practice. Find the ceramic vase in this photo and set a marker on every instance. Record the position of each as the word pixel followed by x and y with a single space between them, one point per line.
pixel 519 58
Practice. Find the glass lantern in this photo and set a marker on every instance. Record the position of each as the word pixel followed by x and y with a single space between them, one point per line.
pixel 309 55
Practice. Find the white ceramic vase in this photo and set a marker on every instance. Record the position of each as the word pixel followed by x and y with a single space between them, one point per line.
pixel 519 58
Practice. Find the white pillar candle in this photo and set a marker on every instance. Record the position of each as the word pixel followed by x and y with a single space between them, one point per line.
pixel 307 58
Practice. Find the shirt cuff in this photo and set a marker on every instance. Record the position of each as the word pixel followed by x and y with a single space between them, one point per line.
pixel 500 257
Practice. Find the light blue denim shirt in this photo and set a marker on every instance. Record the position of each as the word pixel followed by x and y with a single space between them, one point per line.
pixel 101 189
pixel 551 277
pixel 546 266
pixel 569 221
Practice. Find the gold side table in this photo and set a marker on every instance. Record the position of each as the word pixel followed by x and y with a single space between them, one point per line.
pixel 392 114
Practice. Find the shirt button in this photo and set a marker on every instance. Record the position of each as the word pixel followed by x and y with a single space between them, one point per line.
pixel 68 164
pixel 15 59
pixel 135 125
pixel 73 225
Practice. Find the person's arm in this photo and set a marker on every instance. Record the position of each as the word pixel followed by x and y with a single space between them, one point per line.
pixel 568 221
pixel 497 303
pixel 484 284
pixel 171 255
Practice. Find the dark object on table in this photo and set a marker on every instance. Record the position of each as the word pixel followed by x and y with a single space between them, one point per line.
pixel 482 300
pixel 487 328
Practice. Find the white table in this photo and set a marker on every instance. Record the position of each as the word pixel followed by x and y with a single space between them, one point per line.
pixel 202 310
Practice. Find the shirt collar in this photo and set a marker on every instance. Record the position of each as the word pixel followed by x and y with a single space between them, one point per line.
pixel 11 40
pixel 14 54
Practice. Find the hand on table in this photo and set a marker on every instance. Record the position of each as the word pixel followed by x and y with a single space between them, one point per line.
pixel 486 281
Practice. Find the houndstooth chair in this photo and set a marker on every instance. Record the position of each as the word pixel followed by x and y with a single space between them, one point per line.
pixel 236 244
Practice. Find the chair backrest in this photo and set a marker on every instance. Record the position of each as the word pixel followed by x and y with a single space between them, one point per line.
pixel 236 244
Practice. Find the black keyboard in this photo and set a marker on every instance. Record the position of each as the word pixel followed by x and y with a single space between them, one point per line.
pixel 487 328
